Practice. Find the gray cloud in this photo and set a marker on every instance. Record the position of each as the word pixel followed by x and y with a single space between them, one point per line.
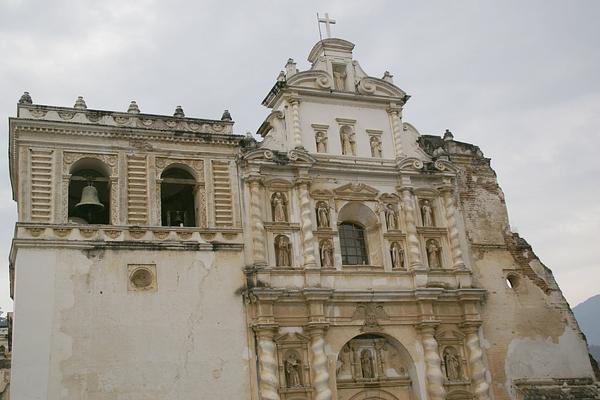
pixel 519 79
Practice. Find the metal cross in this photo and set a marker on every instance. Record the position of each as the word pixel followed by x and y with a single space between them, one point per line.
pixel 328 22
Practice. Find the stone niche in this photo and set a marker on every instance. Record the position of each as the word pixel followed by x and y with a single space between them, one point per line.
pixel 294 372
pixel 373 366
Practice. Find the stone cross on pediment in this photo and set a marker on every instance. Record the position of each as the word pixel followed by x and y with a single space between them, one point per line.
pixel 328 22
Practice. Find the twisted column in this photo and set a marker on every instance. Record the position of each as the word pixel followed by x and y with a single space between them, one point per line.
pixel 295 103
pixel 433 364
pixel 267 365
pixel 258 238
pixel 457 255
pixel 319 365
pixel 394 113
pixel 412 239
pixel 306 225
pixel 478 370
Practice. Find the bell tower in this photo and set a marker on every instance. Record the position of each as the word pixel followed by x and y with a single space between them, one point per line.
pixel 127 250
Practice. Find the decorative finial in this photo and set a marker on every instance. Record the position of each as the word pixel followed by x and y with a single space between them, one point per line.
pixel 226 116
pixel 388 77
pixel 328 22
pixel 133 108
pixel 448 135
pixel 179 112
pixel 290 68
pixel 281 76
pixel 25 99
pixel 80 103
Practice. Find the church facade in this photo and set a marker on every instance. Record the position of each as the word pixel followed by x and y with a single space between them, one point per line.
pixel 343 256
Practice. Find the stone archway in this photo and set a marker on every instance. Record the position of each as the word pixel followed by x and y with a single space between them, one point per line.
pixel 374 367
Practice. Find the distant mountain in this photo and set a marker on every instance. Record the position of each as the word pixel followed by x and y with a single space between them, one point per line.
pixel 595 352
pixel 588 317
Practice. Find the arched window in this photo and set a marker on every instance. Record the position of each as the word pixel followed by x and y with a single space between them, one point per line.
pixel 177 198
pixel 353 244
pixel 89 193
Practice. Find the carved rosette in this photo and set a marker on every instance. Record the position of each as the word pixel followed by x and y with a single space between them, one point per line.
pixel 412 240
pixel 457 255
pixel 268 382
pixel 319 365
pixel 394 113
pixel 478 370
pixel 258 239
pixel 433 364
pixel 306 226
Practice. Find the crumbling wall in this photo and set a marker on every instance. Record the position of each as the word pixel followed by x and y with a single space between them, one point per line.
pixel 529 331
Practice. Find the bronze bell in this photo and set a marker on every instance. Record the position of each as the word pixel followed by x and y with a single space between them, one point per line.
pixel 89 203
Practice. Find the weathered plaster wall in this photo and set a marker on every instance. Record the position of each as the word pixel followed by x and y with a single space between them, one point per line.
pixel 88 337
pixel 529 330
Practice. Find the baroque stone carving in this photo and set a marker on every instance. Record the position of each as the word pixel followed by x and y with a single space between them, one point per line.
pixel 195 164
pixel 391 217
pixel 427 213
pixel 347 139
pixel 434 254
pixel 293 370
pixel 326 253
pixel 278 207
pixel 452 364
pixel 323 220
pixel 69 158
pixel 397 255
pixel 321 141
pixel 376 148
pixel 433 369
pixel 371 313
pixel 282 251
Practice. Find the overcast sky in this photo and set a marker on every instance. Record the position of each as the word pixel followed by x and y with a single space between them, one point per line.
pixel 521 79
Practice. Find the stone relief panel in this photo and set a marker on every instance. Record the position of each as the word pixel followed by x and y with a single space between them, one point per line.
pixel 370 358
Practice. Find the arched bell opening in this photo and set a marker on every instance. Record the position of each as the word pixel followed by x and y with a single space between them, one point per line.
pixel 89 193
pixel 177 196
pixel 375 366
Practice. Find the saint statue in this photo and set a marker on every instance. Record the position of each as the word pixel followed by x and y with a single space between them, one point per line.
pixel 433 254
pixel 427 213
pixel 322 215
pixel 391 217
pixel 340 80
pixel 321 140
pixel 282 251
pixel 347 142
pixel 292 371
pixel 326 254
pixel 397 256
pixel 366 364
pixel 376 147
pixel 278 205
pixel 452 362
pixel 344 368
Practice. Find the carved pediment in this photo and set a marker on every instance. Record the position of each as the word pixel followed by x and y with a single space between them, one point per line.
pixel 378 87
pixel 356 191
pixel 278 157
pixel 291 338
pixel 447 335
pixel 389 198
pixel 313 79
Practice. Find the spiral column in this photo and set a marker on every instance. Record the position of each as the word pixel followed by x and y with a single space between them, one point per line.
pixel 306 225
pixel 267 364
pixel 319 364
pixel 296 130
pixel 394 112
pixel 451 215
pixel 433 364
pixel 412 239
pixel 258 237
pixel 476 365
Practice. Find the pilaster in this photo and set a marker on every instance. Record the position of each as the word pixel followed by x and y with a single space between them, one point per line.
pixel 294 101
pixel 433 362
pixel 453 233
pixel 306 225
pixel 395 113
pixel 476 365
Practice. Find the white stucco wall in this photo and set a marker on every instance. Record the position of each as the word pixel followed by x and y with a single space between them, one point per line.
pixel 80 334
